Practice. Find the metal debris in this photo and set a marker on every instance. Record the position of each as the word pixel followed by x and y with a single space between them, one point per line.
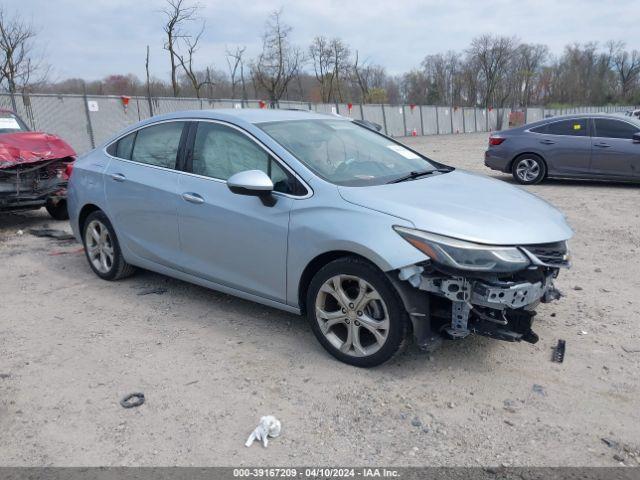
pixel 558 351
pixel 269 426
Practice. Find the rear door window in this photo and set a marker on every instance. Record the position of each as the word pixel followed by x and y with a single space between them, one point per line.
pixel 123 147
pixel 158 144
pixel 574 128
pixel 607 128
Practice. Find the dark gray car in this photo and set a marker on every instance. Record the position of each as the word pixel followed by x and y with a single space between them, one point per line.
pixel 603 147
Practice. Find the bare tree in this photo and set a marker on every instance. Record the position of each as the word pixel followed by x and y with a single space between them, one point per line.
pixel 196 78
pixel 627 67
pixel 18 64
pixel 279 61
pixel 148 82
pixel 235 62
pixel 177 13
pixel 492 54
pixel 368 77
pixel 530 59
pixel 321 55
pixel 341 61
pixel 442 70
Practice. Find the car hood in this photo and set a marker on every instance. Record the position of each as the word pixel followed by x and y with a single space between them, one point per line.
pixel 30 147
pixel 467 206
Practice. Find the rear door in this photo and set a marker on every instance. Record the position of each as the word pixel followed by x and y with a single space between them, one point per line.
pixel 565 145
pixel 141 188
pixel 613 151
pixel 231 239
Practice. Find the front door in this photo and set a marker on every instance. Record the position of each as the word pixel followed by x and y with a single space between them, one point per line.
pixel 232 239
pixel 614 152
pixel 141 186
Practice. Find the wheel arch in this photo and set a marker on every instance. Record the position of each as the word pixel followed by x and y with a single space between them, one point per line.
pixel 314 267
pixel 85 211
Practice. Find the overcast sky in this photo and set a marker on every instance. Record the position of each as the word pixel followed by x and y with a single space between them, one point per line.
pixel 94 38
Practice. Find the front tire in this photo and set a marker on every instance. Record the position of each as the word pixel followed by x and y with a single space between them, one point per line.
pixel 57 210
pixel 528 169
pixel 355 313
pixel 102 249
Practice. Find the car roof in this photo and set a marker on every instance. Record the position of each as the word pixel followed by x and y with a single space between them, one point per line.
pixel 573 116
pixel 250 115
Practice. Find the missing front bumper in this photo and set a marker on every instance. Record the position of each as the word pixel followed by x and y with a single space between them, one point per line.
pixel 499 309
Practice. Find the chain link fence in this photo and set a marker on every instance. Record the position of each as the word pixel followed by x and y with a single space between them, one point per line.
pixel 88 120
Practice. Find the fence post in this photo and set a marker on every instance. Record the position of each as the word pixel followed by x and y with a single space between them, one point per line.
pixel 26 102
pixel 475 119
pixel 150 104
pixel 464 122
pixel 451 118
pixel 384 119
pixel 421 121
pixel 404 120
pixel 361 112
pixel 87 113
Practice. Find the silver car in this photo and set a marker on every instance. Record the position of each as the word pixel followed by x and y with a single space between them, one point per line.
pixel 318 215
pixel 603 147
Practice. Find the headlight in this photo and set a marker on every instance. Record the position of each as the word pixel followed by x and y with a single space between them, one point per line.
pixel 463 255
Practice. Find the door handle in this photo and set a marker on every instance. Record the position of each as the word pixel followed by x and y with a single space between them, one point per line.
pixel 192 198
pixel 601 145
pixel 547 142
pixel 118 177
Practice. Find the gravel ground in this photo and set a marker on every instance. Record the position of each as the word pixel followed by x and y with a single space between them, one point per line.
pixel 210 365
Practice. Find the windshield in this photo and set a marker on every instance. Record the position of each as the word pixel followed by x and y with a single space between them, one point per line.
pixel 344 153
pixel 10 123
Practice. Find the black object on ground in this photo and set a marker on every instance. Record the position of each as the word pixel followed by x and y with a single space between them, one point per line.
pixel 51 232
pixel 150 291
pixel 132 400
pixel 558 351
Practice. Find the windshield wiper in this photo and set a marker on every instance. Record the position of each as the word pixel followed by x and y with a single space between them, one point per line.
pixel 417 174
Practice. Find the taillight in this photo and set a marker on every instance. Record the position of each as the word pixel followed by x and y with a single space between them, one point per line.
pixel 496 140
pixel 68 170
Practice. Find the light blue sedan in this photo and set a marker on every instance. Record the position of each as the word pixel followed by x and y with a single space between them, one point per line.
pixel 317 215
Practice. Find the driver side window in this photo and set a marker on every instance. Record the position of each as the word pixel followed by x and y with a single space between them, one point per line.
pixel 607 128
pixel 220 152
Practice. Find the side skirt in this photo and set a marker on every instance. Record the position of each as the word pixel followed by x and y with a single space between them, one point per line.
pixel 169 272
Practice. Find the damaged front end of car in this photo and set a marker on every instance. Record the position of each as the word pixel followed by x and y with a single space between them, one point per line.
pixel 466 287
pixel 31 185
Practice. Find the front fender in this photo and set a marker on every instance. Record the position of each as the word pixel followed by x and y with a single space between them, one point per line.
pixel 315 230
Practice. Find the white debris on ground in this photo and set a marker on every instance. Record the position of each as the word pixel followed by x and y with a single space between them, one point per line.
pixel 269 426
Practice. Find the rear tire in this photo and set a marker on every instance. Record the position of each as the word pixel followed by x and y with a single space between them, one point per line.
pixel 355 313
pixel 528 169
pixel 57 210
pixel 102 249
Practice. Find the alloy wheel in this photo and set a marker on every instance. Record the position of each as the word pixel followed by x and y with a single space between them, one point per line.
pixel 352 315
pixel 99 246
pixel 527 170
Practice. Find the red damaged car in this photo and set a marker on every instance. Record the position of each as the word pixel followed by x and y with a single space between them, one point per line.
pixel 34 168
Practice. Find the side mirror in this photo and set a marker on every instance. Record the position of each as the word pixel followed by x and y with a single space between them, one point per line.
pixel 636 137
pixel 251 182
